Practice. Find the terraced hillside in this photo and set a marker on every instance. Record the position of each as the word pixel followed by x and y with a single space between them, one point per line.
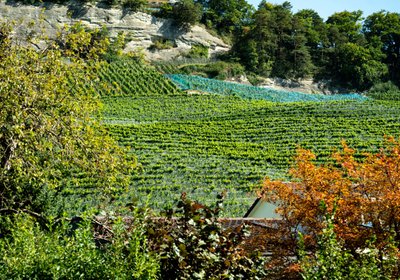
pixel 203 144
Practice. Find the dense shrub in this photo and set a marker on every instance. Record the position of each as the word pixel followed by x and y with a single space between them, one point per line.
pixel 198 51
pixel 192 244
pixel 217 70
pixel 69 251
pixel 134 5
pixel 333 261
pixel 384 91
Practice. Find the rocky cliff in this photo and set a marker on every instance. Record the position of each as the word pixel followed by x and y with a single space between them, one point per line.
pixel 142 29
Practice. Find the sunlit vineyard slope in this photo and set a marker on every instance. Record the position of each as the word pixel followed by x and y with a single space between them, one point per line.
pixel 203 144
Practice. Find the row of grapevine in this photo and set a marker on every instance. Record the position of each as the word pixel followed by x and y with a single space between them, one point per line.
pixel 187 82
pixel 129 77
pixel 203 144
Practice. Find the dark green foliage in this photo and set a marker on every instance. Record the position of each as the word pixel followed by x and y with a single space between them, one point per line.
pixel 226 15
pixel 343 49
pixel 275 43
pixel 133 5
pixel 184 13
pixel 218 70
pixel 315 32
pixel 350 60
pixel 384 91
pixel 198 51
pixel 192 244
pixel 382 30
pixel 345 27
pixel 358 67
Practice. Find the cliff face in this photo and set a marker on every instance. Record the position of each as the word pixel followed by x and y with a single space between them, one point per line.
pixel 141 29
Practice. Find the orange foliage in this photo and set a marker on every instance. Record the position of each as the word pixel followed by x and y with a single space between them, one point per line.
pixel 366 194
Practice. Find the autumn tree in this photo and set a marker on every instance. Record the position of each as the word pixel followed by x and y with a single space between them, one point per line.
pixel 366 193
pixel 49 129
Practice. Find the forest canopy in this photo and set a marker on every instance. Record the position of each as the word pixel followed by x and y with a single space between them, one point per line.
pixel 354 51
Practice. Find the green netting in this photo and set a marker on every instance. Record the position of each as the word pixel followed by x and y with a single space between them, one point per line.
pixel 187 82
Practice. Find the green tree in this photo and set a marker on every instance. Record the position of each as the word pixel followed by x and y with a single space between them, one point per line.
pixel 359 67
pixel 345 27
pixel 382 30
pixel 186 13
pixel 275 43
pixel 226 15
pixel 350 60
pixel 314 30
pixel 49 129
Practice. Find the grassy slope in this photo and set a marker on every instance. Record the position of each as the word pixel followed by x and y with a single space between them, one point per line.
pixel 203 144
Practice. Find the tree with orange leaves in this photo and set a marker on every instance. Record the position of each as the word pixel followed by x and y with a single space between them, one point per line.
pixel 366 193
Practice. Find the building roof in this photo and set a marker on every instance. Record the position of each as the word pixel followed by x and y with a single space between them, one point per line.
pixel 262 209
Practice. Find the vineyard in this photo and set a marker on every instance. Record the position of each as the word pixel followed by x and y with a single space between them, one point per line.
pixel 187 82
pixel 203 144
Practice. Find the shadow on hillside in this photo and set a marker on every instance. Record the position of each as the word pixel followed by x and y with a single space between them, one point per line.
pixel 77 9
pixel 35 3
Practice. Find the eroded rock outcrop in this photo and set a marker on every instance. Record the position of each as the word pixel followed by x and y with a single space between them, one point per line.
pixel 142 29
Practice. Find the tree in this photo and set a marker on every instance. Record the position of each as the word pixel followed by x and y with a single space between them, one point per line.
pixel 345 27
pixel 359 67
pixel 226 15
pixel 382 30
pixel 300 55
pixel 367 195
pixel 275 43
pixel 49 129
pixel 186 13
pixel 315 33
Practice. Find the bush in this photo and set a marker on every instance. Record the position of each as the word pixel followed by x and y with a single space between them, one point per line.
pixel 133 5
pixel 192 244
pixel 218 70
pixel 253 78
pixel 162 44
pixel 333 261
pixel 198 51
pixel 384 91
pixel 69 251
